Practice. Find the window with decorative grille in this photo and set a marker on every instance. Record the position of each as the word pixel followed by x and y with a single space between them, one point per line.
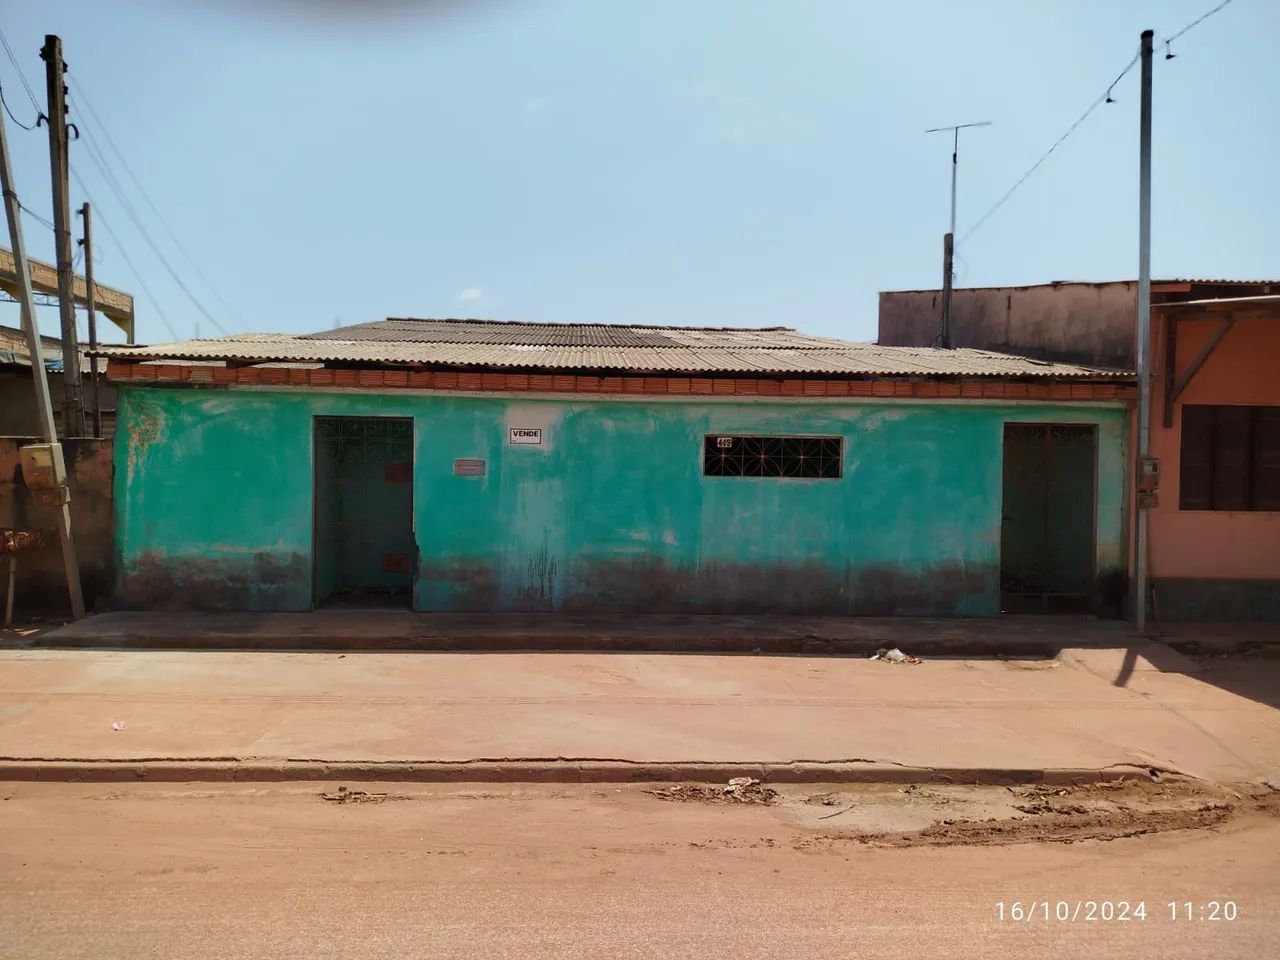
pixel 817 458
pixel 1230 458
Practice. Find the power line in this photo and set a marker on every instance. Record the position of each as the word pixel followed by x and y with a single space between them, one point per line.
pixel 106 225
pixel 35 216
pixel 28 211
pixel 100 161
pixel 10 112
pixel 1195 23
pixel 77 91
pixel 18 67
pixel 1104 98
pixel 124 254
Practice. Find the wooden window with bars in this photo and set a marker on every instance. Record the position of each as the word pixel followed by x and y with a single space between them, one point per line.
pixel 1230 458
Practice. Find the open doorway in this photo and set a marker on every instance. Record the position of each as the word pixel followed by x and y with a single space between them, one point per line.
pixel 1047 527
pixel 364 552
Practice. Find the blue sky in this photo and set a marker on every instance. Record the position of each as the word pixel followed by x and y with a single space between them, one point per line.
pixel 715 162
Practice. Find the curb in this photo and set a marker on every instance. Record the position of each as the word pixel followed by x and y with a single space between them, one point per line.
pixel 540 771
pixel 516 642
pixel 572 643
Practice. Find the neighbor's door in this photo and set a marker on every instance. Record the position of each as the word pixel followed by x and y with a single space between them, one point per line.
pixel 1047 531
pixel 364 543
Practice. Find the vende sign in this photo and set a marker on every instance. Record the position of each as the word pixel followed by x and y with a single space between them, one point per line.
pixel 526 434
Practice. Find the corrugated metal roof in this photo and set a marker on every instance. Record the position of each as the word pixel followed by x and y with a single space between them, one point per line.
pixel 689 350
pixel 13 350
pixel 415 330
pixel 1219 280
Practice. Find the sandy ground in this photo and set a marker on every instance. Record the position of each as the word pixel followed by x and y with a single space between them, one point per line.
pixel 196 871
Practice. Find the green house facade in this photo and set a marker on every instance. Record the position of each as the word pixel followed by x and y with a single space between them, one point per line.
pixel 366 468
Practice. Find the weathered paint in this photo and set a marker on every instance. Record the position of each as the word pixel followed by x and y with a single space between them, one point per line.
pixel 1075 322
pixel 610 512
pixel 42 578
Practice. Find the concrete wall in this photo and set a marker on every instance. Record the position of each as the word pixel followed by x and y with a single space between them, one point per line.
pixel 18 403
pixel 1214 563
pixel 42 583
pixel 611 512
pixel 1080 322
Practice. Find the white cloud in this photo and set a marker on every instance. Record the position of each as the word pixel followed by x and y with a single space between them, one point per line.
pixel 471 295
pixel 536 104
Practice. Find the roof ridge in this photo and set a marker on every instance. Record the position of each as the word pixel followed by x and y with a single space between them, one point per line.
pixel 549 323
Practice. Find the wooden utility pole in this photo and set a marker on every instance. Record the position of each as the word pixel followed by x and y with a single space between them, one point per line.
pixel 86 242
pixel 56 120
pixel 44 406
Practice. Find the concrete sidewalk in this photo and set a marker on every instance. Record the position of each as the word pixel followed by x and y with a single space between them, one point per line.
pixel 573 716
pixel 403 630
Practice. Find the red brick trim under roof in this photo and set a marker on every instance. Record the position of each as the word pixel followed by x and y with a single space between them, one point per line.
pixel 470 381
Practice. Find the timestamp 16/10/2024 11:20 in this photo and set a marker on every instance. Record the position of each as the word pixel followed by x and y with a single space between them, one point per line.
pixel 1090 911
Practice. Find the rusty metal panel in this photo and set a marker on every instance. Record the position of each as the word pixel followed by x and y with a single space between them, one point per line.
pixel 397 563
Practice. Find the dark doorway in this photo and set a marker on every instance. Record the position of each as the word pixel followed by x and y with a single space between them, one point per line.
pixel 1046 535
pixel 364 544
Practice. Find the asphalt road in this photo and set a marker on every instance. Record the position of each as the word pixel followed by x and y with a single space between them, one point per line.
pixel 480 871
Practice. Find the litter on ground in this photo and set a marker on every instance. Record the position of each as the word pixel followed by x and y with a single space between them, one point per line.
pixel 894 655
pixel 737 790
pixel 344 795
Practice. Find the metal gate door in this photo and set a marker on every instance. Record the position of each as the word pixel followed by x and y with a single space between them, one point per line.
pixel 1047 528
pixel 364 544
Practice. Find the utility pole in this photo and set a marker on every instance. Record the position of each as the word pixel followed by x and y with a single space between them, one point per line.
pixel 44 406
pixel 949 241
pixel 1143 337
pixel 56 120
pixel 90 302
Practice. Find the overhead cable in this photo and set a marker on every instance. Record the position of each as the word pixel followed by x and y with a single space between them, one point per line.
pixel 10 112
pixel 18 67
pixel 1105 98
pixel 78 95
pixel 124 254
pixel 99 160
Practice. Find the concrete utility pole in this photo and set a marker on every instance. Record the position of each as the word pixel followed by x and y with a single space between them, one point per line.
pixel 1143 337
pixel 56 120
pixel 87 243
pixel 44 406
pixel 949 241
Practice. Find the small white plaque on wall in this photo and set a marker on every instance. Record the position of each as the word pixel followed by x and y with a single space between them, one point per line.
pixel 526 434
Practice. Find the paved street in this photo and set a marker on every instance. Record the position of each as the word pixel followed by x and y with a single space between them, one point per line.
pixel 160 871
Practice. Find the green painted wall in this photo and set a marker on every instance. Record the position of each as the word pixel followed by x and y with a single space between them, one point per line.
pixel 611 512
